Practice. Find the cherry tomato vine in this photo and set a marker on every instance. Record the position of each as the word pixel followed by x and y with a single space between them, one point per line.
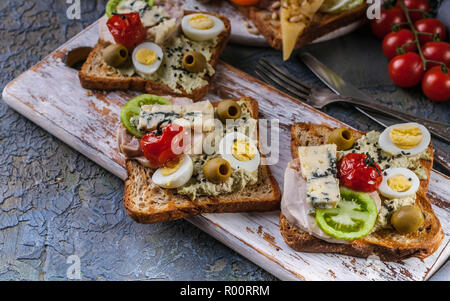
pixel 416 33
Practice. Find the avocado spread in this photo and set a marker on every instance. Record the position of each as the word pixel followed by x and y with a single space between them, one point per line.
pixel 368 144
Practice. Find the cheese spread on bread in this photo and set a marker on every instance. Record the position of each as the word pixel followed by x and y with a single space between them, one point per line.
pixel 172 72
pixel 368 144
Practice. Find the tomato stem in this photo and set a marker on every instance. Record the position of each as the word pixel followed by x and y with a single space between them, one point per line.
pixel 415 32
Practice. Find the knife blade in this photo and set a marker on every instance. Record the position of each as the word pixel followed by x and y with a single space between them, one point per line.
pixel 336 83
pixel 340 87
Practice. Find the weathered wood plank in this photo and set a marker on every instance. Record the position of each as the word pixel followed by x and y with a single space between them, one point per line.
pixel 50 95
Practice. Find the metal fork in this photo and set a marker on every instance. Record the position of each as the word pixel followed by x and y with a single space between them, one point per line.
pixel 320 97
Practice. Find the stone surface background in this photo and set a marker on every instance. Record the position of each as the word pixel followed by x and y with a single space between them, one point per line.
pixel 55 203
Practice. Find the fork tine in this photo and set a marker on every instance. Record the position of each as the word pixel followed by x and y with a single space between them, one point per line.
pixel 283 83
pixel 271 79
pixel 292 80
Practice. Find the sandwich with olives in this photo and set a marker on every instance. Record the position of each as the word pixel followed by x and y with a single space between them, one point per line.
pixel 155 47
pixel 360 194
pixel 291 24
pixel 184 158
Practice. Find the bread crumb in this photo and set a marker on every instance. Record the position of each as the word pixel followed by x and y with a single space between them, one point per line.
pixel 89 93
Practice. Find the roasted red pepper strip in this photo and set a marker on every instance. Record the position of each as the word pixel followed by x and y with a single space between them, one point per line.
pixel 359 172
pixel 163 145
pixel 127 29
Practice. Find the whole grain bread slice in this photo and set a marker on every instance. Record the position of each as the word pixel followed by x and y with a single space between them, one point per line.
pixel 387 244
pixel 96 74
pixel 146 202
pixel 321 24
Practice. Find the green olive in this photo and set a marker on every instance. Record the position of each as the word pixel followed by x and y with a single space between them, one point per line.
pixel 115 54
pixel 217 170
pixel 228 109
pixel 194 61
pixel 343 138
pixel 407 219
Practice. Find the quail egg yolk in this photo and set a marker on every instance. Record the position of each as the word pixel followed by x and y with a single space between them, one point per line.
pixel 172 166
pixel 201 22
pixel 242 150
pixel 406 137
pixel 146 56
pixel 399 183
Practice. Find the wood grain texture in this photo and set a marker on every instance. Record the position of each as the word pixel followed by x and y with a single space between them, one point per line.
pixel 50 95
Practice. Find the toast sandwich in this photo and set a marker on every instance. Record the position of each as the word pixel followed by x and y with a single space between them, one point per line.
pixel 147 202
pixel 384 242
pixel 170 77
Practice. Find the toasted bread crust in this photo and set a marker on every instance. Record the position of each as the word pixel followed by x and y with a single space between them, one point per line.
pixel 320 26
pixel 136 83
pixel 179 206
pixel 386 244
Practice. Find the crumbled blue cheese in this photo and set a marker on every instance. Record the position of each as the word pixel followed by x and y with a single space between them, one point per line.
pixel 368 144
pixel 318 165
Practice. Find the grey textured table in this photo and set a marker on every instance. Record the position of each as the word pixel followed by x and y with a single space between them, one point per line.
pixel 56 203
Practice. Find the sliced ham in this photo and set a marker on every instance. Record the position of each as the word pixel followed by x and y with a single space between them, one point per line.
pixel 130 146
pixel 294 206
pixel 376 197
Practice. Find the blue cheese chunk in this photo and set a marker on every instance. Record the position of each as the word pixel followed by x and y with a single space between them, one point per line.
pixel 151 115
pixel 318 165
pixel 198 116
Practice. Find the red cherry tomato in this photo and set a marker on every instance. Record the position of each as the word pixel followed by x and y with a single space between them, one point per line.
pixel 245 2
pixel 437 51
pixel 406 70
pixel 416 4
pixel 395 40
pixel 388 17
pixel 359 172
pixel 433 26
pixel 436 84
pixel 127 29
pixel 161 146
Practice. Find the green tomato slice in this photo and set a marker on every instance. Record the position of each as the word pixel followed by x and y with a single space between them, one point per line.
pixel 133 109
pixel 353 218
pixel 111 6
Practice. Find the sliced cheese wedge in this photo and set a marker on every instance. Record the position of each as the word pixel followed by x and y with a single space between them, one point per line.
pixel 295 15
